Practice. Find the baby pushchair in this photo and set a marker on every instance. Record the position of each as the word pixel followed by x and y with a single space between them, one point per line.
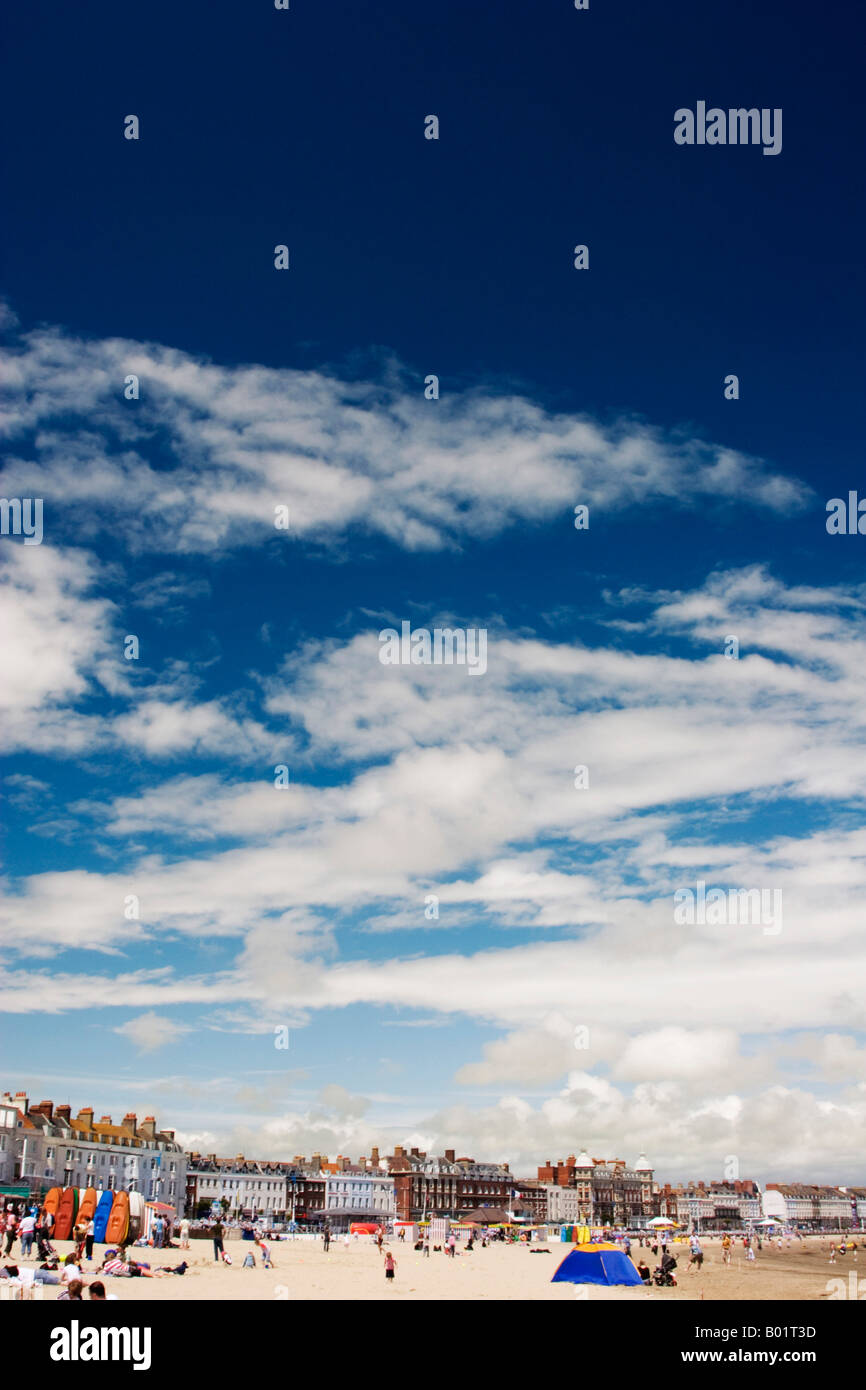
pixel 663 1274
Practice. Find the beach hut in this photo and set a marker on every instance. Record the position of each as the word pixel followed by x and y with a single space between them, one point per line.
pixel 410 1229
pixel 147 1212
pixel 600 1263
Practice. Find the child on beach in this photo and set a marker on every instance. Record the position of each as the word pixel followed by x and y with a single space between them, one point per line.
pixel 266 1254
pixel 390 1266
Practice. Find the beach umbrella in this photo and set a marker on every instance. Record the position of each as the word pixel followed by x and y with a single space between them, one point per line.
pixel 661 1221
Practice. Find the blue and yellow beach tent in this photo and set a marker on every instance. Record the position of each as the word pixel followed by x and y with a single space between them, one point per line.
pixel 596 1264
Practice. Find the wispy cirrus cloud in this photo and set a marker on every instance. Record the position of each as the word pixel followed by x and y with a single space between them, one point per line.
pixel 200 460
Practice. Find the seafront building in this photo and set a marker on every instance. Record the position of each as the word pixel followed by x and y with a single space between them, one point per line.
pixel 608 1191
pixel 246 1189
pixel 816 1208
pixel 713 1206
pixel 51 1149
pixel 563 1206
pixel 43 1146
pixel 429 1185
pixel 359 1191
pixel 9 1118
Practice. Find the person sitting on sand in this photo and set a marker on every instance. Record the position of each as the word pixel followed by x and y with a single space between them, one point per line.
pixel 643 1270
pixel 73 1292
pixel 70 1270
pixel 97 1293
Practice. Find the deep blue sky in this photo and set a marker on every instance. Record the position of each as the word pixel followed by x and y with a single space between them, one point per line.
pixel 261 126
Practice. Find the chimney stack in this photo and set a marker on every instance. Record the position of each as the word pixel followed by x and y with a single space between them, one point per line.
pixel 63 1112
pixel 45 1107
pixel 85 1117
pixel 130 1121
pixel 148 1127
pixel 449 1155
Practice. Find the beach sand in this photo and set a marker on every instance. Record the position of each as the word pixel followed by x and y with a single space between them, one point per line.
pixel 501 1272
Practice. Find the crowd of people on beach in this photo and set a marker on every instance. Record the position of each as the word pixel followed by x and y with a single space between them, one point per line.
pixel 31 1228
pixel 29 1225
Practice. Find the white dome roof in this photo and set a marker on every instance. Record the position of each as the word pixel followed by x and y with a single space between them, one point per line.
pixel 643 1165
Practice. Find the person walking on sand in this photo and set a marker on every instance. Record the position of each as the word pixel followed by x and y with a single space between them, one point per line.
pixel 390 1266
pixel 11 1230
pixel 426 1247
pixel 25 1230
pixel 217 1233
pixel 89 1237
pixel 326 1239
pixel 184 1234
pixel 726 1249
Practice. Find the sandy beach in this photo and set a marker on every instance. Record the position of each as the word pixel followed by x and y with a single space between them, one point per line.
pixel 356 1273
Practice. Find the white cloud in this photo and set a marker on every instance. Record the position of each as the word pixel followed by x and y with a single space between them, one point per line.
pixel 151 1031
pixel 338 453
pixel 465 789
pixel 675 1053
